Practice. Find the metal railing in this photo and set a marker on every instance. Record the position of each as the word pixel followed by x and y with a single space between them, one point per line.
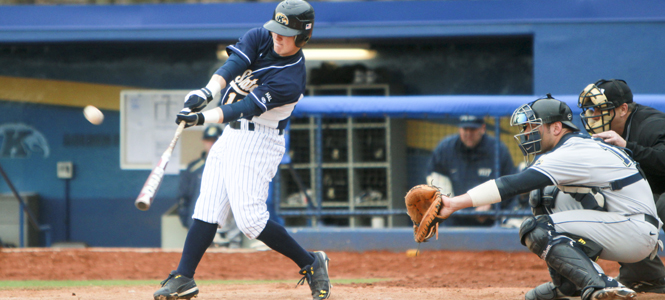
pixel 32 219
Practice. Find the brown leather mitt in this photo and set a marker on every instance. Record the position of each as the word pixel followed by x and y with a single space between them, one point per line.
pixel 423 203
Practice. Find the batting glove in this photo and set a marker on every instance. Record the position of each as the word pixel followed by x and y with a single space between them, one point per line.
pixel 190 118
pixel 198 99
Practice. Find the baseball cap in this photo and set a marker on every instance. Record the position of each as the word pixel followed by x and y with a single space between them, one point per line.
pixel 469 121
pixel 616 91
pixel 212 132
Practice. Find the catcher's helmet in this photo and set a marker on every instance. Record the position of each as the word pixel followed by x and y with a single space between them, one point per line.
pixel 542 111
pixel 293 18
pixel 598 101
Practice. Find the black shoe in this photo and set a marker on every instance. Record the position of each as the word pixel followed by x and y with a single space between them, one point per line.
pixel 177 286
pixel 316 275
pixel 648 286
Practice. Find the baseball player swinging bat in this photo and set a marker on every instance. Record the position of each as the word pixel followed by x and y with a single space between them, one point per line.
pixel 151 185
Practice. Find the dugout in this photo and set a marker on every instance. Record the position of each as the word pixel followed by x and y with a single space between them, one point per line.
pixel 56 59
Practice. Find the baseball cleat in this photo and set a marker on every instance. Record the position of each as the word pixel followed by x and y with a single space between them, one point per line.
pixel 316 275
pixel 648 286
pixel 614 293
pixel 177 286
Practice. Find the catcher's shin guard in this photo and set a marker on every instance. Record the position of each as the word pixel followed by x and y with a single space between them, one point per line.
pixel 536 233
pixel 563 256
pixel 563 285
pixel 573 264
pixel 545 291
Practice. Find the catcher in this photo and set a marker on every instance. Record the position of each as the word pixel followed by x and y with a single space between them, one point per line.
pixel 622 226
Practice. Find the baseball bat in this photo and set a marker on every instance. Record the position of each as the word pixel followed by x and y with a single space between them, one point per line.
pixel 147 194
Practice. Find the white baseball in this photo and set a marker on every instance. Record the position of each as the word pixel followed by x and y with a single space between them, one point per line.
pixel 93 115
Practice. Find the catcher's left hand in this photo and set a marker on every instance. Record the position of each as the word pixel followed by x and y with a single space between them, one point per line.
pixel 423 204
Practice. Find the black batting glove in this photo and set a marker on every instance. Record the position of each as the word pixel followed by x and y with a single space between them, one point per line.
pixel 198 99
pixel 190 118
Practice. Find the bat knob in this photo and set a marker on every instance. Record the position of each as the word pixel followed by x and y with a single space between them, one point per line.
pixel 142 206
pixel 142 202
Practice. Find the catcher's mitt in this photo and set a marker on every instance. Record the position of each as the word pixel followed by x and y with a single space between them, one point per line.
pixel 423 203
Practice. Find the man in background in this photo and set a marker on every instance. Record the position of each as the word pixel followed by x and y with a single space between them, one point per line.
pixel 467 159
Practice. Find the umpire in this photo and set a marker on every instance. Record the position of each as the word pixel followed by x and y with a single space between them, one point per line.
pixel 190 178
pixel 608 112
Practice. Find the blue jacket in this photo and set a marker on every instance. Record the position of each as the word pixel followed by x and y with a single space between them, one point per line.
pixel 468 167
pixel 189 187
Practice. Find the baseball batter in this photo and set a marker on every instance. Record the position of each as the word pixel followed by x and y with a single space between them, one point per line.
pixel 619 225
pixel 260 84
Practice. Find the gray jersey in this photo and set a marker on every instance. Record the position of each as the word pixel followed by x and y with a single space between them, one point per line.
pixel 579 163
pixel 585 162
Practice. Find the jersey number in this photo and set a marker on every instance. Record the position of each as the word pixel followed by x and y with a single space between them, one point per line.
pixel 627 161
pixel 229 100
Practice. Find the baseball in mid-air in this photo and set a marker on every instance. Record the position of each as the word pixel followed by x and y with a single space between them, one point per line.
pixel 93 115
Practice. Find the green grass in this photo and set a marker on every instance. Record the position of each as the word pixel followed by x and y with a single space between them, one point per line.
pixel 50 284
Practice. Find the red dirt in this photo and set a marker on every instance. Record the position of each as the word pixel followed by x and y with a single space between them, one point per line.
pixel 469 275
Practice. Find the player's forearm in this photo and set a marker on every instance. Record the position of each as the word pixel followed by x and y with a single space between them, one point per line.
pixel 216 84
pixel 484 194
pixel 461 202
pixel 214 115
pixel 231 112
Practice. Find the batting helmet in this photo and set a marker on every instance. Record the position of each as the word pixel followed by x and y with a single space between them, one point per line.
pixel 542 111
pixel 293 18
pixel 598 101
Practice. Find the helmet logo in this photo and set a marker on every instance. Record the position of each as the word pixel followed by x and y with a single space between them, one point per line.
pixel 308 26
pixel 282 19
pixel 570 117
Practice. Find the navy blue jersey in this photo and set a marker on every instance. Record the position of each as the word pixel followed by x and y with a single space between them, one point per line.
pixel 467 168
pixel 274 83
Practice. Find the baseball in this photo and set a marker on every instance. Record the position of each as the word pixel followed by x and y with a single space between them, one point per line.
pixel 93 115
pixel 412 252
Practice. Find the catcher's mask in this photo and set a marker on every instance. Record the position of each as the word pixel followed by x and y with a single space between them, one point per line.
pixel 529 138
pixel 598 101
pixel 541 111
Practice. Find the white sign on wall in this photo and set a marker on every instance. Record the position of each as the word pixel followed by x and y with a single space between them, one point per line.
pixel 147 126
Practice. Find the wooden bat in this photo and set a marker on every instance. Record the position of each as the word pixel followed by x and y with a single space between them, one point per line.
pixel 151 185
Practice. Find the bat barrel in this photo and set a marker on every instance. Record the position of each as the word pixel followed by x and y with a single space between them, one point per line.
pixel 147 194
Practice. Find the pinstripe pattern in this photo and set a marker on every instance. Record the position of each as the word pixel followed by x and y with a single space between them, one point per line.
pixel 237 175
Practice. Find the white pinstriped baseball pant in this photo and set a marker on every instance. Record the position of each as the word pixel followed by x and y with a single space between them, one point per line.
pixel 237 174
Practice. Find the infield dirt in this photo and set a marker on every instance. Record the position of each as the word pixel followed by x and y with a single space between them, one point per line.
pixel 432 275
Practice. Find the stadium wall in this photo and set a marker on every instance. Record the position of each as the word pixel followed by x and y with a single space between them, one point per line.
pixel 101 195
pixel 575 41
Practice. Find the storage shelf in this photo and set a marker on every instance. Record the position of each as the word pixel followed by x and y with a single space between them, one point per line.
pixel 355 165
pixel 383 203
pixel 325 204
pixel 359 172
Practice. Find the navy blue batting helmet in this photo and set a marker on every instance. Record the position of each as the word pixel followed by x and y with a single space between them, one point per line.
pixel 293 18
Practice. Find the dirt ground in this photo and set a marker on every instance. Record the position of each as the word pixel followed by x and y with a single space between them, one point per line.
pixel 431 275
